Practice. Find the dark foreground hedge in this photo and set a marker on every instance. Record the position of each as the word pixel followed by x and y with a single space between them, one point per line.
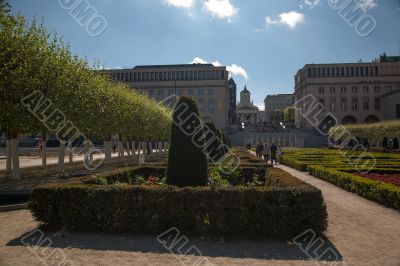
pixel 230 212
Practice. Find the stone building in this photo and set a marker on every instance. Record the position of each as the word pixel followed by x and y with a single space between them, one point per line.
pixel 205 83
pixel 246 111
pixel 276 103
pixel 351 92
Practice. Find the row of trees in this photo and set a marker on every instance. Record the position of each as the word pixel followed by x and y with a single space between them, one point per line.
pixel 40 79
pixel 374 133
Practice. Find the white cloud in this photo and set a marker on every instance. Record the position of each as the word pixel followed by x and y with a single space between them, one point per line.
pixel 310 3
pixel 236 70
pixel 180 3
pixel 222 9
pixel 291 19
pixel 233 69
pixel 198 60
pixel 368 4
pixel 261 106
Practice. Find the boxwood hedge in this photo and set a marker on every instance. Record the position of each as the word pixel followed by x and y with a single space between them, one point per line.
pixel 284 209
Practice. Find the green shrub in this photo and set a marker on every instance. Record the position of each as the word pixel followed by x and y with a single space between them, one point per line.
pixel 187 164
pixel 386 194
pixel 229 212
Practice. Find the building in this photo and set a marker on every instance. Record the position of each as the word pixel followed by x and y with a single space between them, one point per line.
pixel 351 92
pixel 205 83
pixel 246 111
pixel 232 101
pixel 275 103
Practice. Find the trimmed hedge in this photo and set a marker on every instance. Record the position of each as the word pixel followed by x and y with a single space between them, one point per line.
pixel 385 194
pixel 230 212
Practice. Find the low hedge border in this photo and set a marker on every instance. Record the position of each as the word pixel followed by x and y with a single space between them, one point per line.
pixel 229 212
pixel 385 194
pixel 284 209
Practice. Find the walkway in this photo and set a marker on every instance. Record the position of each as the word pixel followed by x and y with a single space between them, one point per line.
pixel 364 232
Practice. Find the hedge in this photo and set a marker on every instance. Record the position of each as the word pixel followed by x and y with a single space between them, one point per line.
pixel 284 210
pixel 385 194
pixel 209 212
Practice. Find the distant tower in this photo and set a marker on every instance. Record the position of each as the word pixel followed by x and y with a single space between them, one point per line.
pixel 245 97
pixel 232 101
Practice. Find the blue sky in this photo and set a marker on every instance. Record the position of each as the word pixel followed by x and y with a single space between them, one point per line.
pixel 263 42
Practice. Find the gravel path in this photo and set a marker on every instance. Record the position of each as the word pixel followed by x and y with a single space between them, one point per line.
pixel 363 232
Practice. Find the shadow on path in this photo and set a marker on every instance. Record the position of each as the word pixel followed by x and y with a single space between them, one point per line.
pixel 268 249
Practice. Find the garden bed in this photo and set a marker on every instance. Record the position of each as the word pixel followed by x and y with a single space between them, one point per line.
pixel 378 183
pixel 123 201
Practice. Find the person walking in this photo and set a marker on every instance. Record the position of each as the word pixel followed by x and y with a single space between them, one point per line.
pixel 279 153
pixel 114 147
pixel 266 152
pixel 273 153
pixel 40 147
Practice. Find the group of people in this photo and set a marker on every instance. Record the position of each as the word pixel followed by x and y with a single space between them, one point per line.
pixel 273 152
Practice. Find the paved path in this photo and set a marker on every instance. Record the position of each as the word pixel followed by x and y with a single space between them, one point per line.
pixel 364 232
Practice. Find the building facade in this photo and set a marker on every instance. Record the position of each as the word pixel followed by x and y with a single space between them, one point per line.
pixel 246 112
pixel 275 103
pixel 205 83
pixel 351 92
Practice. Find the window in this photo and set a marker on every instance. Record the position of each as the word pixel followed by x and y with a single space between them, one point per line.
pixel 321 104
pixel 201 105
pixel 366 104
pixel 357 71
pixel 323 72
pixel 354 104
pixel 328 72
pixel 151 93
pixel 366 89
pixel 332 90
pixel 319 72
pixel 211 92
pixel 377 89
pixel 388 89
pixel 180 92
pixel 152 76
pixel 354 90
pixel 343 90
pixel 377 104
pixel 211 106
pixel 190 92
pixel 191 75
pixel 343 104
pixel 171 92
pixel 332 105
pixel 200 92
pixel 314 72
pixel 321 90
pixel 135 77
pixel 309 72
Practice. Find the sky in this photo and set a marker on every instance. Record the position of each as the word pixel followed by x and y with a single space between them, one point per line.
pixel 263 43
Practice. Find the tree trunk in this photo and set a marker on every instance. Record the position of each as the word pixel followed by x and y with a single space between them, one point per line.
pixel 8 155
pixel 61 157
pixel 133 148
pixel 128 149
pixel 71 155
pixel 121 148
pixel 150 143
pixel 44 158
pixel 107 150
pixel 15 158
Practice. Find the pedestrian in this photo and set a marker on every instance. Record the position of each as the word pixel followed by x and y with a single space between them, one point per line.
pixel 273 153
pixel 266 152
pixel 279 153
pixel 114 148
pixel 259 150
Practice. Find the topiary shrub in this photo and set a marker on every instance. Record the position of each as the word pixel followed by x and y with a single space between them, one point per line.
pixel 385 143
pixel 187 163
pixel 396 144
pixel 215 145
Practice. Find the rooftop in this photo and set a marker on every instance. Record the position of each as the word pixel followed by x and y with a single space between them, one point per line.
pixel 174 66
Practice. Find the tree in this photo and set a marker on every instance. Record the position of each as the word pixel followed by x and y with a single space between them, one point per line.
pixel 289 114
pixel 187 163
